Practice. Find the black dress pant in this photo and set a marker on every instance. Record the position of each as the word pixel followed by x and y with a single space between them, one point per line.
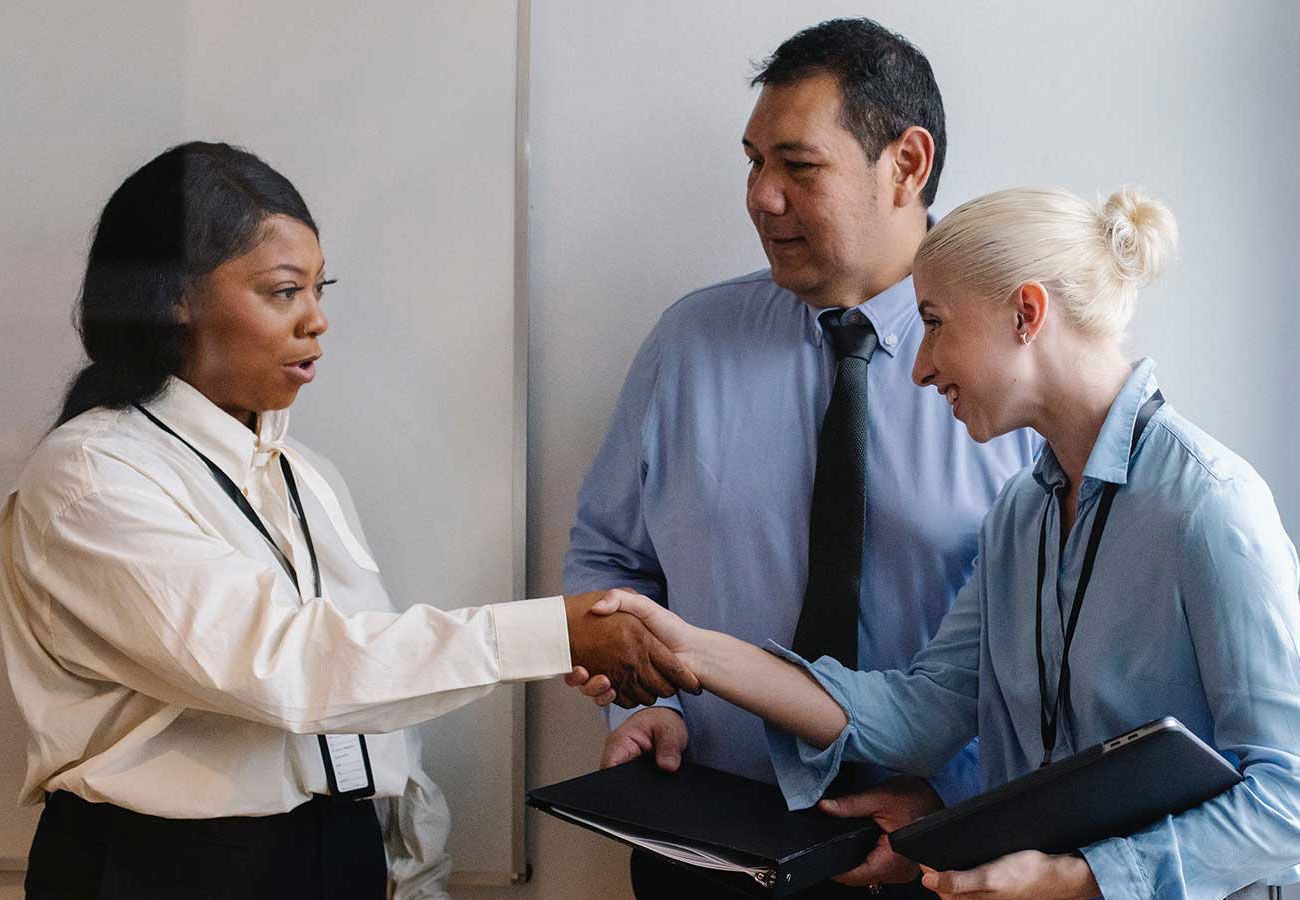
pixel 655 878
pixel 322 850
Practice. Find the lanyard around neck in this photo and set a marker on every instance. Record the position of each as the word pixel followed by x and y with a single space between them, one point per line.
pixel 1049 717
pixel 232 491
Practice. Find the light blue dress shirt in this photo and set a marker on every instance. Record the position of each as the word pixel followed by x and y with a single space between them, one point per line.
pixel 701 493
pixel 1191 612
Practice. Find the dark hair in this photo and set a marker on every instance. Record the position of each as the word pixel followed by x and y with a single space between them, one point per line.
pixel 171 222
pixel 886 84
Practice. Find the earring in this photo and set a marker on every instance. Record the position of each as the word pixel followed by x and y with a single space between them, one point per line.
pixel 1024 338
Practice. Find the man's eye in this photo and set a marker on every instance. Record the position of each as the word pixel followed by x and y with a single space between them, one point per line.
pixel 754 164
pixel 798 166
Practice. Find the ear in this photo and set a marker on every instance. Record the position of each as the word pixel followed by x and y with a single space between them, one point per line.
pixel 913 160
pixel 1030 302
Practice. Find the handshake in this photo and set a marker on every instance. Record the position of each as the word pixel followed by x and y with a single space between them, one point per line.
pixel 628 647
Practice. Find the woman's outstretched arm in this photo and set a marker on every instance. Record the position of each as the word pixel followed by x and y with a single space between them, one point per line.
pixel 779 691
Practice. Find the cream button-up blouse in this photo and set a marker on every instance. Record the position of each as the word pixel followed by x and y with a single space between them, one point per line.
pixel 162 657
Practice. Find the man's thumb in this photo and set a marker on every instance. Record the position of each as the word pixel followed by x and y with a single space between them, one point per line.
pixel 669 743
pixel 668 759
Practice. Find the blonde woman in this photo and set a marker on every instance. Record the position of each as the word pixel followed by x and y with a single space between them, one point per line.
pixel 1191 608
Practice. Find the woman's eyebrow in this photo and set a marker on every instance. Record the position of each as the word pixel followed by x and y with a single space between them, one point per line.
pixel 291 268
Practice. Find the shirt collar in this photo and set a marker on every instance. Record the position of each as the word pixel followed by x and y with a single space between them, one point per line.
pixel 891 313
pixel 1109 459
pixel 215 433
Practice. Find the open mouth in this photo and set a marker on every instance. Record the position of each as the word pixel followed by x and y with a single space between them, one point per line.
pixel 304 370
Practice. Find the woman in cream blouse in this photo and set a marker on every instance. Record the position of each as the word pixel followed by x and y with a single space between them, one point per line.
pixel 194 628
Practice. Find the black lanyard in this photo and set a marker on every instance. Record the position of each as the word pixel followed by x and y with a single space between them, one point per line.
pixel 233 492
pixel 1048 718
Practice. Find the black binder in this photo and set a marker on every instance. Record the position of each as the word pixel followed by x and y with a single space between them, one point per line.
pixel 1109 790
pixel 739 822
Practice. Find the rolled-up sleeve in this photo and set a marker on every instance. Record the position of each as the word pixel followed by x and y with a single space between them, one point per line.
pixel 912 722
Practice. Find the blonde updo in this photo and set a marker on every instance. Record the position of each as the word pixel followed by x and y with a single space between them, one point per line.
pixel 1092 261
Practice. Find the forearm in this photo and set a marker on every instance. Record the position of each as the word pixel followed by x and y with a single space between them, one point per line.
pixel 753 679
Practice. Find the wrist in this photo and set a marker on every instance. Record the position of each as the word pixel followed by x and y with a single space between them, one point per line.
pixel 696 652
pixel 574 607
pixel 659 709
pixel 577 617
pixel 1073 870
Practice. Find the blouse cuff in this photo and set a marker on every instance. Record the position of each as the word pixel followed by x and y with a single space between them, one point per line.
pixel 1117 870
pixel 532 638
pixel 804 772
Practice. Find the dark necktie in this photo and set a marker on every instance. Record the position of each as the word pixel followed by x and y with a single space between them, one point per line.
pixel 828 622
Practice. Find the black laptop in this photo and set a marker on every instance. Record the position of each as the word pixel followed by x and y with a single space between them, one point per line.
pixel 1109 790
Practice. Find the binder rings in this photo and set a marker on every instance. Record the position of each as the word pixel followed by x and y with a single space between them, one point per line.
pixel 1109 790
pixel 714 820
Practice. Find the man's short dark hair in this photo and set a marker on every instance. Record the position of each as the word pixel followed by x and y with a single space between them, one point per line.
pixel 886 84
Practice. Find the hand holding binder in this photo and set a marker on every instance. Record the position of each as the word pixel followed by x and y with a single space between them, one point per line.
pixel 891 805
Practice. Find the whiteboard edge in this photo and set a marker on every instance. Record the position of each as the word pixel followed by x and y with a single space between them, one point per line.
pixel 523 62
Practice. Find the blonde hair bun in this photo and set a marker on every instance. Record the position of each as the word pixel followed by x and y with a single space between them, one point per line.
pixel 1092 256
pixel 1141 234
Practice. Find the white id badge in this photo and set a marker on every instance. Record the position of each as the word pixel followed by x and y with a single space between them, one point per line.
pixel 347 765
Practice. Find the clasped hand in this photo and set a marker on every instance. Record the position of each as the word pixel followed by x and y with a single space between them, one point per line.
pixel 615 651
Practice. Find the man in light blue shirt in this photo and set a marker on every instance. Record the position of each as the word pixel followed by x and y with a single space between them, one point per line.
pixel 701 494
pixel 1191 612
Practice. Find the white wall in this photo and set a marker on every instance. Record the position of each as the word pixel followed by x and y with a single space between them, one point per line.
pixel 398 126
pixel 637 196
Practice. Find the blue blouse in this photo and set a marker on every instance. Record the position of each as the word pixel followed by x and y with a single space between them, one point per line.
pixel 1192 612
